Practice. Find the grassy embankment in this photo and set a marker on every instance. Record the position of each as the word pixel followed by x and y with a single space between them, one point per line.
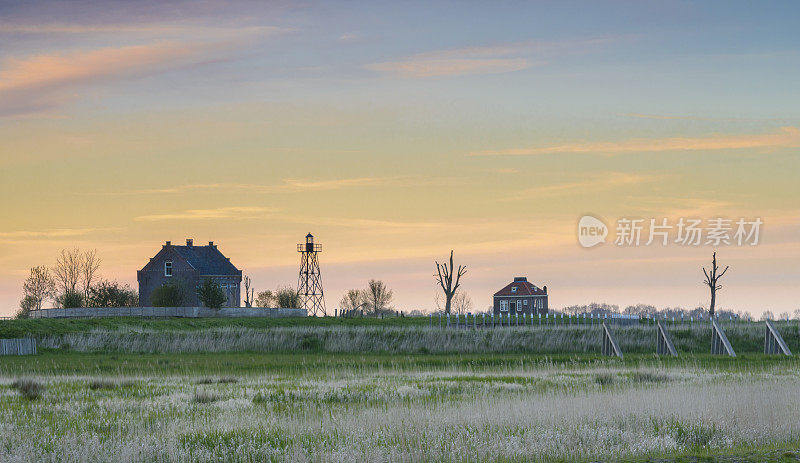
pixel 392 335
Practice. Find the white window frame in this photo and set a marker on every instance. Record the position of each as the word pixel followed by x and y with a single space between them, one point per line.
pixel 513 289
pixel 168 268
pixel 503 305
pixel 519 305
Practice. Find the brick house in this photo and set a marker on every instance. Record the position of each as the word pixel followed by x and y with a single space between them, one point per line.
pixel 188 266
pixel 521 297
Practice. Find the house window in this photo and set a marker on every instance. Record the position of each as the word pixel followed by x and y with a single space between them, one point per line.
pixel 233 285
pixel 513 289
pixel 526 302
pixel 504 306
pixel 224 286
pixel 519 305
pixel 167 269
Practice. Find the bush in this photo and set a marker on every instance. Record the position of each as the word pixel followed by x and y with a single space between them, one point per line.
pixel 167 295
pixel 71 299
pixel 204 397
pixel 27 304
pixel 28 388
pixel 287 298
pixel 210 294
pixel 112 294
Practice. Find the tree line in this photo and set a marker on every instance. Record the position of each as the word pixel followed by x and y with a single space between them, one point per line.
pixel 73 281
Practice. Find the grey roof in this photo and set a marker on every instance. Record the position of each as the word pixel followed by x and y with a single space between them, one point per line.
pixel 207 260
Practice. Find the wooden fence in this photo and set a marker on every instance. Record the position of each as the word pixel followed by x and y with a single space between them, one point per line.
pixel 20 346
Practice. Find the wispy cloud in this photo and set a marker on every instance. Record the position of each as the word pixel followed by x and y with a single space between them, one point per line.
pixel 597 182
pixel 53 233
pixel 489 59
pixel 785 137
pixel 236 213
pixel 288 184
pixel 426 67
pixel 40 82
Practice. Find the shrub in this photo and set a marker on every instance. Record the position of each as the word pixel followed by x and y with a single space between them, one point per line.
pixel 210 294
pixel 27 304
pixel 287 298
pixel 167 295
pixel 28 388
pixel 204 397
pixel 71 299
pixel 112 294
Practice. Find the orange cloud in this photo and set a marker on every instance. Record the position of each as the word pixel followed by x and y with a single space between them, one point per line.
pixel 489 59
pixel 419 68
pixel 786 137
pixel 236 212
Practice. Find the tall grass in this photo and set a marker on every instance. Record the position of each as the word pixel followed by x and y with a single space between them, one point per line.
pixel 537 414
pixel 340 339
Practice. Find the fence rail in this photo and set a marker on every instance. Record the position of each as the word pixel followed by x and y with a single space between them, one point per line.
pixel 164 312
pixel 489 320
pixel 19 346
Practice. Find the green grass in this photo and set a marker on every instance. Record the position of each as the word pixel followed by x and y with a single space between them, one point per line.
pixel 239 406
pixel 243 363
pixel 40 327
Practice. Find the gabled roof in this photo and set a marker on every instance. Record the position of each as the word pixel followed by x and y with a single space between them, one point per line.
pixel 523 288
pixel 207 260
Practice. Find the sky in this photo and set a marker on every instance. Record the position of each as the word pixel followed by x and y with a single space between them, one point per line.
pixel 398 131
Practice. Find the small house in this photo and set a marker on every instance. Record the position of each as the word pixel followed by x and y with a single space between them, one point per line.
pixel 522 297
pixel 187 266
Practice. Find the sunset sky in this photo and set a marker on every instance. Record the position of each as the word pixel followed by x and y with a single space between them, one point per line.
pixel 398 131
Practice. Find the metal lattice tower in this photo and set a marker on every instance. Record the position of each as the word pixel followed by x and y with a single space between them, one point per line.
pixel 309 282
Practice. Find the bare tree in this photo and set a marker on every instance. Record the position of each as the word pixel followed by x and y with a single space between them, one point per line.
pixel 248 292
pixel 379 297
pixel 354 299
pixel 462 303
pixel 445 279
pixel 39 286
pixel 712 277
pixel 67 270
pixel 90 263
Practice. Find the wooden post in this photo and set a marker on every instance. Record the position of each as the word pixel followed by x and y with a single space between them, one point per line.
pixel 719 342
pixel 664 342
pixel 773 341
pixel 610 346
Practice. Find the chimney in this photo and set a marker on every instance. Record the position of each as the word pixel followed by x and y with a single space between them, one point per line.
pixel 211 243
pixel 168 243
pixel 189 242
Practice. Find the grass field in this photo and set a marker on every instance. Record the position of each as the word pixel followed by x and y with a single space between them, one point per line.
pixel 389 390
pixel 359 335
pixel 379 407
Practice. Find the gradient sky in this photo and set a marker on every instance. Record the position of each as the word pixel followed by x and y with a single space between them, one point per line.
pixel 396 131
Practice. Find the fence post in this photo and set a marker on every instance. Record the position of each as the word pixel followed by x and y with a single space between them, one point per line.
pixel 448 320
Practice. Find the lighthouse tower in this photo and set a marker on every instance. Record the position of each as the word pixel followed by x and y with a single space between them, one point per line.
pixel 309 282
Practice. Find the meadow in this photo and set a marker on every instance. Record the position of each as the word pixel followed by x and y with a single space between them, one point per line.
pixel 402 392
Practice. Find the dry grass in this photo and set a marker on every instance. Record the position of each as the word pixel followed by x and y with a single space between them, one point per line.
pixel 512 413
pixel 28 388
pixel 340 339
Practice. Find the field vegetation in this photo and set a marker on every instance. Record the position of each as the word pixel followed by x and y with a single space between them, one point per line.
pixel 372 407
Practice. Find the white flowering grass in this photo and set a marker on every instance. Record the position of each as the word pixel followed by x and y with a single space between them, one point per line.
pixel 520 413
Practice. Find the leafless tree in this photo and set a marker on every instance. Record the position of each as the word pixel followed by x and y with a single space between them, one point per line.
pixel 39 286
pixel 354 299
pixel 445 279
pixel 67 270
pixel 379 297
pixel 90 263
pixel 248 292
pixel 712 278
pixel 462 303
